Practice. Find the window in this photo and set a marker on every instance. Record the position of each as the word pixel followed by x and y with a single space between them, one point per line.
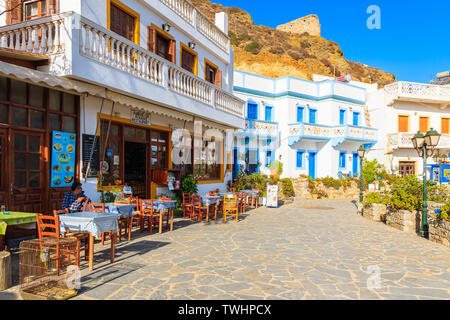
pixel 300 114
pixel 122 22
pixel 213 74
pixel 268 113
pixel 407 168
pixel 208 167
pixel 159 149
pixel 342 116
pixel 312 116
pixel 270 157
pixel 423 124
pixel 268 142
pixel 342 159
pixel 300 159
pixel 188 59
pixel 161 43
pixel 403 123
pixel 445 124
pixel 35 9
pixel 355 118
pixel 252 111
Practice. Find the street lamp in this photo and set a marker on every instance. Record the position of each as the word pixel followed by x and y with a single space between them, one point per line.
pixel 361 152
pixel 425 145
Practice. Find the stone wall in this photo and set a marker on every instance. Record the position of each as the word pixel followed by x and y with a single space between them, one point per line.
pixel 407 221
pixel 302 191
pixel 309 24
pixel 375 212
pixel 439 231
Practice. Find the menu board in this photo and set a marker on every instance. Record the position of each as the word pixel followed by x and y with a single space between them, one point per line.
pixel 272 196
pixel 63 159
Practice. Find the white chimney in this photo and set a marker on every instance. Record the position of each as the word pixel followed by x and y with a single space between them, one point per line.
pixel 222 22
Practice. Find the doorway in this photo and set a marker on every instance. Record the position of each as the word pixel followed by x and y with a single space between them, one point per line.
pixel 312 164
pixel 136 167
pixel 355 164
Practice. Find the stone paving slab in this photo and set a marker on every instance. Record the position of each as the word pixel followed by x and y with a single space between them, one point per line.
pixel 285 253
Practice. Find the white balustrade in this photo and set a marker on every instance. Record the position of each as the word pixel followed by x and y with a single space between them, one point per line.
pixel 41 36
pixel 404 140
pixel 184 8
pixel 418 90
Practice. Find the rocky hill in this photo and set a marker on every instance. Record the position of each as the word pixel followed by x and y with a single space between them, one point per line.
pixel 275 53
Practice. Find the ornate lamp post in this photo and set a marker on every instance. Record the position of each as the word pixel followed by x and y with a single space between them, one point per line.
pixel 361 153
pixel 425 146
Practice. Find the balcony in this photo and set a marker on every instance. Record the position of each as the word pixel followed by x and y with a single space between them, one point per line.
pixel 258 128
pixel 419 92
pixel 337 134
pixel 403 140
pixel 80 49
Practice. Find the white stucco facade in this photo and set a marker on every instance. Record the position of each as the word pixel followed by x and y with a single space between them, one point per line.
pixel 322 141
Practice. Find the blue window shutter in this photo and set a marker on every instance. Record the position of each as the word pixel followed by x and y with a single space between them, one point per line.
pixel 312 116
pixel 356 118
pixel 268 113
pixel 299 159
pixel 341 116
pixel 342 160
pixel 299 114
pixel 252 111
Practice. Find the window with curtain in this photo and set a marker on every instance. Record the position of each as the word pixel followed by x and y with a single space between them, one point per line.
pixel 35 9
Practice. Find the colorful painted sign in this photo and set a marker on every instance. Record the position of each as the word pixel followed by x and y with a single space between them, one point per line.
pixel 63 159
pixel 272 196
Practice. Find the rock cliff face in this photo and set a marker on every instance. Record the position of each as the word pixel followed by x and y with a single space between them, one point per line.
pixel 275 53
pixel 309 24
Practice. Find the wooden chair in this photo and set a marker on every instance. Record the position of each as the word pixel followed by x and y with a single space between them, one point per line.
pixel 48 228
pixel 242 201
pixel 187 205
pixel 96 207
pixel 230 207
pixel 58 212
pixel 127 196
pixel 253 199
pixel 81 236
pixel 199 210
pixel 135 219
pixel 85 206
pixel 148 215
pixel 232 189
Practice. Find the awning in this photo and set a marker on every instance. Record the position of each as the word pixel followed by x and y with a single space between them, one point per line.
pixel 45 79
pixel 136 103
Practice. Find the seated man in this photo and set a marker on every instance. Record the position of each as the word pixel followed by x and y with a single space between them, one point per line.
pixel 75 199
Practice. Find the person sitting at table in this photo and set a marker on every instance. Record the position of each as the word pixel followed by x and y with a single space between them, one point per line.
pixel 74 200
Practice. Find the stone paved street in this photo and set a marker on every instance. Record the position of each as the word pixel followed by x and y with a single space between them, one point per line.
pixel 305 250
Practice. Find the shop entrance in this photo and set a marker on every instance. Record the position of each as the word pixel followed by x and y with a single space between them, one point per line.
pixel 136 167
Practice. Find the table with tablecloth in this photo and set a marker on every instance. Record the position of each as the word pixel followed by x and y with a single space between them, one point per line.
pixel 23 220
pixel 163 206
pixel 93 223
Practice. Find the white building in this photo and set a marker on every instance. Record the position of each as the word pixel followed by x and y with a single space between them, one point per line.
pixel 402 109
pixel 313 127
pixel 142 68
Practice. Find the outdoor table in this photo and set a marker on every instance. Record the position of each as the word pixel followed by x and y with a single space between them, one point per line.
pixel 126 210
pixel 93 223
pixel 161 205
pixel 12 218
pixel 209 201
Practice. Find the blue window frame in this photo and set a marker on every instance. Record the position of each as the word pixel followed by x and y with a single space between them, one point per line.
pixel 312 116
pixel 342 116
pixel 355 118
pixel 342 155
pixel 252 111
pixel 268 142
pixel 300 155
pixel 300 113
pixel 270 157
pixel 269 113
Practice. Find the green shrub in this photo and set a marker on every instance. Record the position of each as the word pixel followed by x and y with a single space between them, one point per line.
pixel 253 47
pixel 445 212
pixel 375 198
pixel 107 197
pixel 436 192
pixel 287 187
pixel 403 200
pixel 330 182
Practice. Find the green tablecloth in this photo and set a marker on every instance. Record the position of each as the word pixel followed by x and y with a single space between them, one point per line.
pixel 15 218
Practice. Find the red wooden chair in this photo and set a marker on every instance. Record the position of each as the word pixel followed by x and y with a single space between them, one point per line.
pixel 253 199
pixel 148 215
pixel 242 201
pixel 85 206
pixel 187 205
pixel 135 219
pixel 48 228
pixel 199 210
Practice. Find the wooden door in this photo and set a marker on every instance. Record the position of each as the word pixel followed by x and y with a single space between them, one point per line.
pixel 3 169
pixel 27 167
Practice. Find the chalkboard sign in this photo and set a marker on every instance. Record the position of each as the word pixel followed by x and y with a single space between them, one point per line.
pixel 88 144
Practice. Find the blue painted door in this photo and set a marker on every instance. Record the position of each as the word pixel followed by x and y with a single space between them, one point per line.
pixel 252 156
pixel 252 111
pixel 341 116
pixel 235 164
pixel 312 116
pixel 312 164
pixel 355 164
pixel 356 118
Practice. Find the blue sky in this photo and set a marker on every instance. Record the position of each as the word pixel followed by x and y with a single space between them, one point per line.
pixel 413 42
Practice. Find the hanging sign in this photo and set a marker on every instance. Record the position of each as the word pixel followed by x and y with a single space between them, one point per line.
pixel 63 159
pixel 272 196
pixel 140 116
